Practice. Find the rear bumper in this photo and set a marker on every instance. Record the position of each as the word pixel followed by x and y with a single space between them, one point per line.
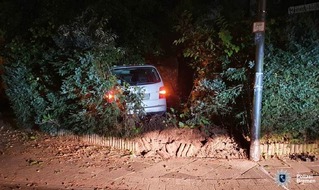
pixel 154 106
pixel 156 109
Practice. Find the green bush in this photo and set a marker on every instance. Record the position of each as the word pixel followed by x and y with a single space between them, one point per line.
pixel 220 74
pixel 291 93
pixel 58 78
pixel 222 91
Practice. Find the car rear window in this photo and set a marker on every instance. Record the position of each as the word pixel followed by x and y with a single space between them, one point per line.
pixel 137 75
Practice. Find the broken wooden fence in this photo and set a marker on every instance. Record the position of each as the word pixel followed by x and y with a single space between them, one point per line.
pixel 266 150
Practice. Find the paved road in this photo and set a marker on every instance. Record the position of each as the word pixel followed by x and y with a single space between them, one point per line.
pixel 184 174
pixel 213 174
pixel 64 163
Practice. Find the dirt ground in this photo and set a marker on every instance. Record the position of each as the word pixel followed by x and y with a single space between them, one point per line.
pixel 30 160
pixel 33 160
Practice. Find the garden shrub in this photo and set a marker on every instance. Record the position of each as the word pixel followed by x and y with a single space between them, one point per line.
pixel 222 91
pixel 58 78
pixel 291 93
pixel 220 74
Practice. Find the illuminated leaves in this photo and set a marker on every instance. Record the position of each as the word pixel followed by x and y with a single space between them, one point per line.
pixel 291 92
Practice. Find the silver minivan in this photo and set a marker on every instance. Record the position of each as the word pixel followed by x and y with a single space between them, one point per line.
pixel 147 78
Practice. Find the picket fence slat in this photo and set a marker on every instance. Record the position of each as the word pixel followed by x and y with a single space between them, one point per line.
pixel 266 150
pixel 281 149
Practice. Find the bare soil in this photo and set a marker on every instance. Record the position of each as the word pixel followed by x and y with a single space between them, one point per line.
pixel 187 142
pixel 32 160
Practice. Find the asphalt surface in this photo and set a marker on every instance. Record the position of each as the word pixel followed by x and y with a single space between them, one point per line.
pixel 187 173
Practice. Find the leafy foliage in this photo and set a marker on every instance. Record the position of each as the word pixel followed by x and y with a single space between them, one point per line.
pixel 57 72
pixel 220 76
pixel 59 79
pixel 291 93
pixel 21 96
pixel 222 91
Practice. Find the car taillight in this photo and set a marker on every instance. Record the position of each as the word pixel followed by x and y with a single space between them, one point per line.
pixel 109 96
pixel 162 92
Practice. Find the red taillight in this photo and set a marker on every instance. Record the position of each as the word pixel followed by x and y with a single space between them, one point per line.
pixel 162 92
pixel 109 96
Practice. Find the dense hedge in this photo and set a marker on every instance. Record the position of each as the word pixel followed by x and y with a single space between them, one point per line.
pixel 222 92
pixel 291 93
pixel 59 76
pixel 221 88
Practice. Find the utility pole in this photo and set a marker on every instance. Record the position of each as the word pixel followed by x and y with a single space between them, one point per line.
pixel 259 30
